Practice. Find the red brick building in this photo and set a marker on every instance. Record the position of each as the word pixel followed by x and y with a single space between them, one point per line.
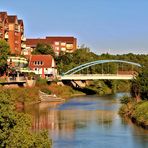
pixel 65 44
pixel 4 26
pixel 12 30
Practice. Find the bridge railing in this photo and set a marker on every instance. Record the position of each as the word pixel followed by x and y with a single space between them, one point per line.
pixel 96 76
pixel 16 79
pixel 77 75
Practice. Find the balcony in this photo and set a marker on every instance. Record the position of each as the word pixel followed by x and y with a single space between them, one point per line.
pixel 23 38
pixel 6 28
pixel 63 49
pixel 6 35
pixel 69 46
pixel 16 28
pixel 22 30
pixel 23 45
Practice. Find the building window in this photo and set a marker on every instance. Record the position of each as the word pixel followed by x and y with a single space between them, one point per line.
pixel 63 44
pixel 38 63
pixel 16 42
pixel 57 48
pixel 69 46
pixel 57 43
pixel 63 49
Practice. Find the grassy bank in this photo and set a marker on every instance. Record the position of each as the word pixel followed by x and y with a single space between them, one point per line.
pixel 137 112
pixel 64 92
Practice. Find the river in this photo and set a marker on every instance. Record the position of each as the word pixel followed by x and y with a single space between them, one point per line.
pixel 88 122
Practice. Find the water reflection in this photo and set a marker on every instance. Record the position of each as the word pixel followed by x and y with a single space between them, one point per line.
pixel 88 122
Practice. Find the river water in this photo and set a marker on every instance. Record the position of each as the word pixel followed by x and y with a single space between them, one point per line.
pixel 88 122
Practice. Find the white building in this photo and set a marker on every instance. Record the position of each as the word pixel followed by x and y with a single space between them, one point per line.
pixel 43 65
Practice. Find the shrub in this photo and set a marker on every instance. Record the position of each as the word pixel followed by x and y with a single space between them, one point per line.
pixel 141 112
pixel 125 99
pixel 41 82
pixel 15 127
pixel 46 90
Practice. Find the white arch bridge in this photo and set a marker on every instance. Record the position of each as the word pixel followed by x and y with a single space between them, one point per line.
pixel 71 74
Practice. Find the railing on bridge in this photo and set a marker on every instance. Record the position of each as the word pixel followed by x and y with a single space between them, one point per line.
pixel 96 77
pixel 16 79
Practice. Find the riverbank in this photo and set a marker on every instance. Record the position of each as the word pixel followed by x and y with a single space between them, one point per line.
pixel 30 95
pixel 65 92
pixel 137 112
pixel 87 115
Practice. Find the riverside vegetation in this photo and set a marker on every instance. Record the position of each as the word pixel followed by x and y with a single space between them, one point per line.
pixel 136 106
pixel 67 61
pixel 15 127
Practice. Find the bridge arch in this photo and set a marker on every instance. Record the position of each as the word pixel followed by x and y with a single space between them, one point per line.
pixel 89 64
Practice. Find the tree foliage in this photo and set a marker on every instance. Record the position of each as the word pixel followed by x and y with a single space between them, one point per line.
pixel 4 52
pixel 144 83
pixel 44 49
pixel 139 88
pixel 15 127
pixel 83 55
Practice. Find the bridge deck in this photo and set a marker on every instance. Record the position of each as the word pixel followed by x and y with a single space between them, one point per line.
pixel 96 77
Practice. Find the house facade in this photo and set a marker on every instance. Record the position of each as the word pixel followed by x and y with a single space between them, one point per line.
pixel 12 30
pixel 4 26
pixel 43 65
pixel 59 44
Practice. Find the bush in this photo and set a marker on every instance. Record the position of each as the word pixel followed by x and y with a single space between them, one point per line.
pixel 141 113
pixel 23 94
pixel 46 90
pixel 15 127
pixel 123 110
pixel 62 91
pixel 41 82
pixel 125 99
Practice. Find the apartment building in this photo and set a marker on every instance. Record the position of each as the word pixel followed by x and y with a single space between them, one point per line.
pixel 64 44
pixel 4 26
pixel 12 30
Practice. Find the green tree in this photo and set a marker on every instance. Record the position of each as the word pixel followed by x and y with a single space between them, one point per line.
pixel 15 127
pixel 135 89
pixel 143 76
pixel 44 49
pixel 125 100
pixel 139 88
pixel 4 52
pixel 68 61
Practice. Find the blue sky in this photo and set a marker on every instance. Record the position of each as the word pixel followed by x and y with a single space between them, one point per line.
pixel 114 26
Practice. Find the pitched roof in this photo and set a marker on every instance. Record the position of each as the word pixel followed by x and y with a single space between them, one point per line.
pixel 47 61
